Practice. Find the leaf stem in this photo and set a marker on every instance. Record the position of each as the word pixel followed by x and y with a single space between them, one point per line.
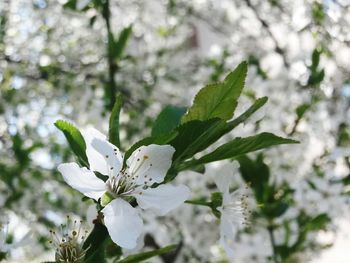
pixel 270 229
pixel 112 66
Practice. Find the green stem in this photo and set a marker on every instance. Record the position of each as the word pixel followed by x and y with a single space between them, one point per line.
pixel 273 243
pixel 112 66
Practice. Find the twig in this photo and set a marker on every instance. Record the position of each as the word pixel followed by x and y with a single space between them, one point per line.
pixel 112 66
pixel 266 26
pixel 273 243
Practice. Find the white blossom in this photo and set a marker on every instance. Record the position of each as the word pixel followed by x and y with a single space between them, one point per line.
pixel 145 166
pixel 234 212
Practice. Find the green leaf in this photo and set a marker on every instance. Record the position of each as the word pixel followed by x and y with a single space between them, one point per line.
pixel 96 242
pixel 198 168
pixel 276 209
pixel 251 110
pixel 113 250
pixel 240 146
pixel 71 4
pixel 255 173
pixel 75 140
pixel 114 122
pixel 309 224
pixel 315 58
pixel 195 136
pixel 119 46
pixel 168 119
pixel 146 255
pixel 302 109
pixel 3 256
pixel 161 140
pixel 318 222
pixel 318 13
pixel 218 100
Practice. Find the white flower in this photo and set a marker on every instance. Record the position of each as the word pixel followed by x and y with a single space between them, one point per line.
pixel 145 166
pixel 4 247
pixel 234 212
pixel 69 242
pixel 4 233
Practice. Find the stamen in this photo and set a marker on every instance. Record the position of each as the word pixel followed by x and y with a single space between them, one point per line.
pixel 125 183
pixel 238 210
pixel 145 157
pixel 69 246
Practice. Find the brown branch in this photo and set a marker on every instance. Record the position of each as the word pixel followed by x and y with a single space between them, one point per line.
pixel 266 26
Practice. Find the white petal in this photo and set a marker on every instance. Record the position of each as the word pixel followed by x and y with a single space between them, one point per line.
pixel 27 239
pixel 227 198
pixel 163 198
pixel 227 235
pixel 96 160
pixel 140 244
pixel 82 180
pixel 223 179
pixel 2 241
pixel 123 223
pixel 111 154
pixel 150 162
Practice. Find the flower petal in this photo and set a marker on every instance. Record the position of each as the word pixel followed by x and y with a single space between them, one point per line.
pixel 227 236
pixel 96 160
pixel 82 180
pixel 111 154
pixel 223 179
pixel 123 223
pixel 2 241
pixel 163 198
pixel 150 163
pixel 140 244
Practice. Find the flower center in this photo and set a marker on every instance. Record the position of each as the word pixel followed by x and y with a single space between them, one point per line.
pixel 239 210
pixel 121 185
pixel 69 243
pixel 127 181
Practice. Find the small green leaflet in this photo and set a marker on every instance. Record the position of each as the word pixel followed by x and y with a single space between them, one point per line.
pixel 241 146
pixel 117 47
pixel 195 136
pixel 218 100
pixel 245 115
pixel 167 120
pixel 114 122
pixel 257 174
pixel 75 140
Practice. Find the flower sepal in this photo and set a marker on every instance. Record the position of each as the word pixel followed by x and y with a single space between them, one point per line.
pixel 106 198
pixel 216 201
